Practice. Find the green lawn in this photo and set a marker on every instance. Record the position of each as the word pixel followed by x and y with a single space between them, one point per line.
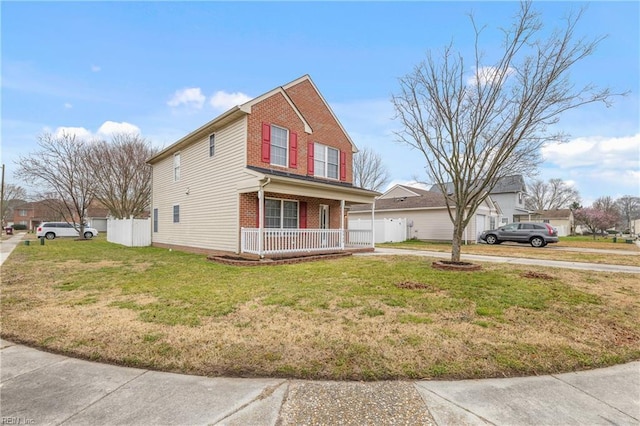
pixel 360 318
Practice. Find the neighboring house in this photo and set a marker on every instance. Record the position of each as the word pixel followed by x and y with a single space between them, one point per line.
pixel 562 219
pixel 34 213
pixel 271 176
pixel 508 194
pixel 97 216
pixel 426 214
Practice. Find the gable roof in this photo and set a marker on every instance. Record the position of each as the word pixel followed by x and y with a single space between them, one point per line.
pixel 242 110
pixel 410 191
pixel 506 184
pixel 427 199
pixel 553 214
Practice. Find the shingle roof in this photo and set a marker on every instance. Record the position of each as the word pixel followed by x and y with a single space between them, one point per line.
pixel 513 183
pixel 427 199
pixel 553 214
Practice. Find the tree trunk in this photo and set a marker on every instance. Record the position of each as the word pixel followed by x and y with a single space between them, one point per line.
pixel 456 243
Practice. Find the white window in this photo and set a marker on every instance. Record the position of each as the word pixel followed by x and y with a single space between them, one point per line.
pixel 326 161
pixel 212 145
pixel 176 167
pixel 279 146
pixel 281 213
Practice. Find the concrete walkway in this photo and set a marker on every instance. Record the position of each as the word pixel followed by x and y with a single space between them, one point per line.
pixel 7 246
pixel 45 389
pixel 501 259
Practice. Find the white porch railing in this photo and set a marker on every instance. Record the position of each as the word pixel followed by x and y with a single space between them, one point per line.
pixel 279 241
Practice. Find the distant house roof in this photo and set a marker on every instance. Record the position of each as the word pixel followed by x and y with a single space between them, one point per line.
pixel 553 214
pixel 506 184
pixel 426 199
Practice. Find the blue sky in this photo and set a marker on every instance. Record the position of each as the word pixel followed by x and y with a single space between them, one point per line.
pixel 165 68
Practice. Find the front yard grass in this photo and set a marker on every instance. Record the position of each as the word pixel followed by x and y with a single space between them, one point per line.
pixel 356 318
pixel 629 254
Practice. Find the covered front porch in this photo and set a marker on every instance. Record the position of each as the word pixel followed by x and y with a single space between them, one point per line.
pixel 267 242
pixel 289 214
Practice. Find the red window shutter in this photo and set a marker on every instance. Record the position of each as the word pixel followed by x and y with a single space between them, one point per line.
pixel 303 214
pixel 258 212
pixel 310 158
pixel 343 165
pixel 293 150
pixel 266 142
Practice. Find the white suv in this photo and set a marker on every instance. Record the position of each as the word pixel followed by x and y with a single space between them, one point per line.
pixel 51 230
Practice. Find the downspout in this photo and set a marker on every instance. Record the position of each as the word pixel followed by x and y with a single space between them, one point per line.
pixel 341 224
pixel 261 216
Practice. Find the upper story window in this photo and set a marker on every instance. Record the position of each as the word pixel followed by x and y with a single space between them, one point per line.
pixel 212 145
pixel 326 161
pixel 279 144
pixel 176 167
pixel 22 212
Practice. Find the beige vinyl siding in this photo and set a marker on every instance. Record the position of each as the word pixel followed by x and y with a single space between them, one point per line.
pixel 398 192
pixel 428 224
pixel 206 192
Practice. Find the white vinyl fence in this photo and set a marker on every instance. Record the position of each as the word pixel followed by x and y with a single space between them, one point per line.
pixel 386 230
pixel 129 232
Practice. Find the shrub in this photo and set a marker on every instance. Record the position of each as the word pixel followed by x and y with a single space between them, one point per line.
pixel 19 227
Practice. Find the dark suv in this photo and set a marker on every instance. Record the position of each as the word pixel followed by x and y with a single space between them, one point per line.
pixel 534 233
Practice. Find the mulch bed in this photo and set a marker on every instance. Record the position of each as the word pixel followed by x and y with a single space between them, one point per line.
pixel 249 260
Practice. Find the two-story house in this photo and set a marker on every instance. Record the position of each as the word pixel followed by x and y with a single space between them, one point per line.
pixel 508 194
pixel 270 176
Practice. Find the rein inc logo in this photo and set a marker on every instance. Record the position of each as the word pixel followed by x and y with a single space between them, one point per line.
pixel 17 421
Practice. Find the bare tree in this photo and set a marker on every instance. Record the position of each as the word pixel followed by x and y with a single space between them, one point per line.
pixel 12 196
pixel 629 208
pixel 475 129
pixel 123 179
pixel 369 171
pixel 551 195
pixel 60 171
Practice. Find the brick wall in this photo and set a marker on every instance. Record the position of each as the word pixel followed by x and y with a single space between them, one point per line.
pixel 276 110
pixel 249 206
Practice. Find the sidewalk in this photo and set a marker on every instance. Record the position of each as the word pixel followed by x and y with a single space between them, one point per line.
pixel 500 259
pixel 45 389
pixel 7 246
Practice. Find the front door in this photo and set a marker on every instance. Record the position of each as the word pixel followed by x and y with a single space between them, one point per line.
pixel 324 222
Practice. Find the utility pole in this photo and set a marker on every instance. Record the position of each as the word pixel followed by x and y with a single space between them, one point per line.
pixel 2 200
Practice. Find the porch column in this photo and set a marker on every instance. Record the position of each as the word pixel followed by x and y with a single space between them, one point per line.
pixel 373 225
pixel 260 220
pixel 341 224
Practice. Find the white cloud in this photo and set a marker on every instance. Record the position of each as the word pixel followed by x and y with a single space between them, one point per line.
pixel 95 68
pixel 191 97
pixel 78 132
pixel 111 127
pixel 223 101
pixel 106 129
pixel 67 105
pixel 486 75
pixel 600 153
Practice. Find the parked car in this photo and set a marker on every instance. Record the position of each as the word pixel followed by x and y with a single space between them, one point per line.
pixel 51 230
pixel 534 233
